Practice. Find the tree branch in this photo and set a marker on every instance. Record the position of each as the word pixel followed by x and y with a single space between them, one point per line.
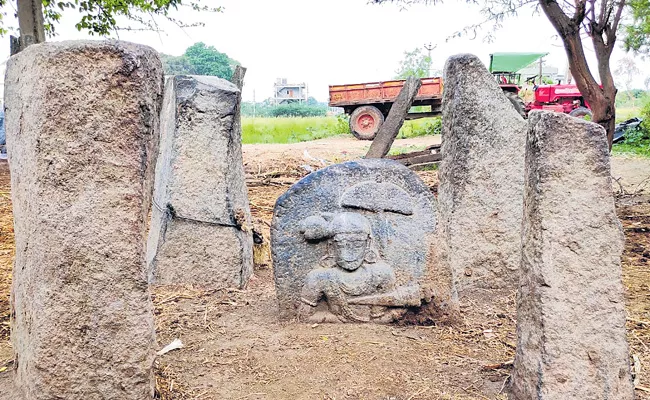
pixel 579 14
pixel 558 18
pixel 602 21
pixel 617 19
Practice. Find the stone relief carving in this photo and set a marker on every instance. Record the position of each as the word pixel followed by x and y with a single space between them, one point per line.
pixel 353 280
pixel 351 243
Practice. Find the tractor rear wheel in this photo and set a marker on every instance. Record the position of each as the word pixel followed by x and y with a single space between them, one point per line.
pixel 365 122
pixel 517 103
pixel 582 113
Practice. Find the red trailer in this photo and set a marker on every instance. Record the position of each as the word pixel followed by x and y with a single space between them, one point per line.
pixel 368 103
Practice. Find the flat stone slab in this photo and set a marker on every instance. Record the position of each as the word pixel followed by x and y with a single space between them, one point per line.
pixel 571 341
pixel 201 229
pixel 82 133
pixel 351 243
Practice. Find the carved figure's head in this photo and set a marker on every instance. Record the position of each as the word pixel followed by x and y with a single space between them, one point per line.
pixel 349 238
pixel 351 234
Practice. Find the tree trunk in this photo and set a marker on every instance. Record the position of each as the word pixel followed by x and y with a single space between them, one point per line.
pixel 31 24
pixel 389 129
pixel 600 98
pixel 603 53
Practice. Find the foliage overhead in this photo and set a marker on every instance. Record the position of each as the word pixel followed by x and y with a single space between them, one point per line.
pixel 200 59
pixel 637 33
pixel 103 17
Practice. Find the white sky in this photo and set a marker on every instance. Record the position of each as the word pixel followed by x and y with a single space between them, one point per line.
pixel 323 42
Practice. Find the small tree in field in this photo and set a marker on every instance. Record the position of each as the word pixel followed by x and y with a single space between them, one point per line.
pixel 415 63
pixel 627 70
pixel 596 20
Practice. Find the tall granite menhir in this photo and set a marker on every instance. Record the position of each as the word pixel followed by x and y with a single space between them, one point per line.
pixel 201 230
pixel 82 135
pixel 481 179
pixel 570 309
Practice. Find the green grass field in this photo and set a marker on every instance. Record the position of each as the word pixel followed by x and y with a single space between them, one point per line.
pixel 291 130
pixel 625 113
pixel 294 130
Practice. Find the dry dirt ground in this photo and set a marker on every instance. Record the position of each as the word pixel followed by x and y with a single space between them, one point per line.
pixel 235 347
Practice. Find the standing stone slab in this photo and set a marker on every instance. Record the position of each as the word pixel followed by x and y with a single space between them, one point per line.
pixel 82 134
pixel 351 243
pixel 201 230
pixel 570 308
pixel 481 178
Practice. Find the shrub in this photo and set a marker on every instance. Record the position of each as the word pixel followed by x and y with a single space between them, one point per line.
pixel 637 141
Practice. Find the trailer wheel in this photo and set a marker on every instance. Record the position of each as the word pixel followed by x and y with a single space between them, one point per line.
pixel 365 122
pixel 582 113
pixel 517 103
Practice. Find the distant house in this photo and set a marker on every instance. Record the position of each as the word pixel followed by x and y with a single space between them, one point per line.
pixel 285 93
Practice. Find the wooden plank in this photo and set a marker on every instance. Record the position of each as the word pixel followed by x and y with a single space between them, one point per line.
pixel 420 159
pixel 389 129
pixel 422 167
pixel 411 116
pixel 429 150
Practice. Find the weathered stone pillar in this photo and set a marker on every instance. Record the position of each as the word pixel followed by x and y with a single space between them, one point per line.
pixel 570 308
pixel 481 178
pixel 82 134
pixel 201 230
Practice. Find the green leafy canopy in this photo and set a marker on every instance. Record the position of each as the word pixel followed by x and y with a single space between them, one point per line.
pixel 100 17
pixel 637 33
pixel 200 59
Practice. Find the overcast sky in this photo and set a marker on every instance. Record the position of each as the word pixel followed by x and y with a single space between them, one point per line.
pixel 339 41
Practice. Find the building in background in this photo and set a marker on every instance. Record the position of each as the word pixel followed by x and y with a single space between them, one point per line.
pixel 285 93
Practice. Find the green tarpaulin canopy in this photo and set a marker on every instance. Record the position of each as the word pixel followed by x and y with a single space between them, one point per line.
pixel 512 62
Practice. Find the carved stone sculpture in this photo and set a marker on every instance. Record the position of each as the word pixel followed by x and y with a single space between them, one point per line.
pixel 356 284
pixel 351 243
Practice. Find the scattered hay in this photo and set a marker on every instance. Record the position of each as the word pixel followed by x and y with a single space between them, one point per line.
pixel 635 218
pixel 7 249
pixel 169 386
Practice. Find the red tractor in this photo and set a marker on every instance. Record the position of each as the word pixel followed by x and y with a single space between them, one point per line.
pixel 559 98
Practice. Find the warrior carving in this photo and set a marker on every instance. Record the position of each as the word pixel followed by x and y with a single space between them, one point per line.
pixel 353 284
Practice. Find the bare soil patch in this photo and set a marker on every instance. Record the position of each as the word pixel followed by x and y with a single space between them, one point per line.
pixel 235 347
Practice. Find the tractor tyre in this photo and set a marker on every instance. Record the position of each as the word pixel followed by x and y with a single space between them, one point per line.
pixel 365 122
pixel 582 113
pixel 517 103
